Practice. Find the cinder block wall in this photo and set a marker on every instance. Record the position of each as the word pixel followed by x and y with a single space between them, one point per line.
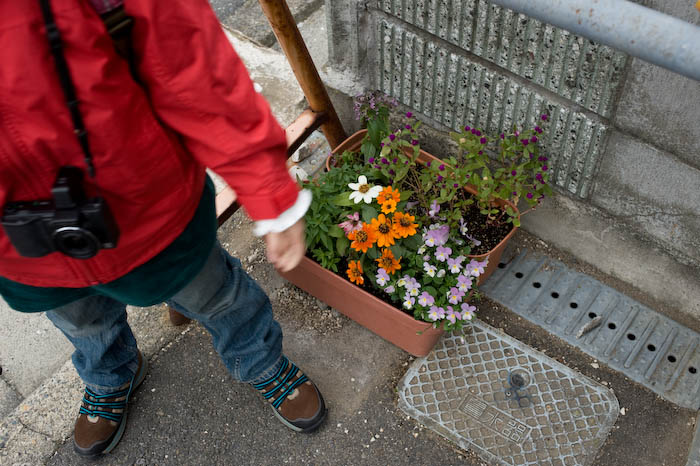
pixel 623 137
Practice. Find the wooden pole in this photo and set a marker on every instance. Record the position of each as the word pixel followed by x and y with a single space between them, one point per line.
pixel 294 48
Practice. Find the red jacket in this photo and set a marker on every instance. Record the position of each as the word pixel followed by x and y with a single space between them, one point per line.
pixel 192 83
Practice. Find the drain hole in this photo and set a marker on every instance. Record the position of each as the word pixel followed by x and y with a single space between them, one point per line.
pixel 518 275
pixel 592 315
pixel 537 284
pixel 651 347
pixel 555 295
pixel 631 336
pixel 501 265
pixel 573 305
pixel 671 358
pixel 692 370
pixel 612 326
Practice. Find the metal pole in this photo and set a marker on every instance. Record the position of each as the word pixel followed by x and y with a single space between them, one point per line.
pixel 640 31
pixel 294 48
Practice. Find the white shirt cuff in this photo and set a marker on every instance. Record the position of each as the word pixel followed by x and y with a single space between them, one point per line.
pixel 288 218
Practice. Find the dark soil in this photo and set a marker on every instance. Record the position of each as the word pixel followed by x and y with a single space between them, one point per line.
pixel 489 235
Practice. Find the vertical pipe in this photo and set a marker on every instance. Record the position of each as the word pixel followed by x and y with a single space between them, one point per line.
pixel 289 38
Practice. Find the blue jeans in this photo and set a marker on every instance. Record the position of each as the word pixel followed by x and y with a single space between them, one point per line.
pixel 222 297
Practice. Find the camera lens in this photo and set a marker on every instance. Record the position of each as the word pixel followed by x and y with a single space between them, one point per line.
pixel 76 242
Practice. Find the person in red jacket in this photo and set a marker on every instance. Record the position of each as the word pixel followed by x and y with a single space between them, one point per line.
pixel 106 201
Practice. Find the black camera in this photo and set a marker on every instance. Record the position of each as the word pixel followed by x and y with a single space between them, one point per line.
pixel 69 223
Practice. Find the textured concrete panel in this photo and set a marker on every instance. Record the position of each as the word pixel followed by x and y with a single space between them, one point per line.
pixel 573 67
pixel 653 191
pixel 453 90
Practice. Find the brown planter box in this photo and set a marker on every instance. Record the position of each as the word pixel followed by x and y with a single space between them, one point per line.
pixel 392 324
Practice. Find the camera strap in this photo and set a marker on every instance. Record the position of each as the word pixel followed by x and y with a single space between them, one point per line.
pixel 56 47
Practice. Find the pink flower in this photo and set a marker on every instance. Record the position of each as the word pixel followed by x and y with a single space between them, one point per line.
pixel 352 224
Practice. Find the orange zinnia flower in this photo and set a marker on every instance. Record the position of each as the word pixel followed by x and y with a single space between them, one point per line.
pixel 384 231
pixel 388 193
pixel 388 262
pixel 363 239
pixel 388 206
pixel 355 272
pixel 403 225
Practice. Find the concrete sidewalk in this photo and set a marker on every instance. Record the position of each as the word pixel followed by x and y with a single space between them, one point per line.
pixel 189 411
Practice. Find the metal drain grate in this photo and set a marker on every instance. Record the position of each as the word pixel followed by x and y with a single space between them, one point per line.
pixel 642 344
pixel 513 405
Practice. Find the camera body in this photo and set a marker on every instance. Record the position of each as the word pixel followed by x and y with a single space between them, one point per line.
pixel 69 223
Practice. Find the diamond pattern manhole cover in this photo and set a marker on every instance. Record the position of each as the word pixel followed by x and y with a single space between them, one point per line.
pixel 492 394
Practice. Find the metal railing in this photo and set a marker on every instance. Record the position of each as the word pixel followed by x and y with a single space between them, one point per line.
pixel 655 37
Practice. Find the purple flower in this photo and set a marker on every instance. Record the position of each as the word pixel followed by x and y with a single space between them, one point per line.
pixel 467 128
pixel 426 299
pixel 473 131
pixel 436 313
pixel 377 166
pixel 533 139
pixel 442 254
pixel 427 164
pixel 514 193
pixel 434 209
pixel 437 236
pixel 455 185
pixel 389 289
pixel 503 136
pixel 478 133
pixel 385 161
pixel 483 140
pixel 464 283
pixel 352 224
pixel 481 152
pixel 408 126
pixel 467 311
pixel 544 117
pixel 392 136
pixel 439 178
pixel 476 268
pixel 538 130
pixel 514 172
pixel 414 142
pixel 454 264
pixel 542 158
pixel 381 144
pixel 529 195
pixel 371 160
pixel 544 168
pixel 442 167
pixel 382 277
pixel 392 172
pixel 525 142
pixel 409 114
pixel 396 159
pixel 452 315
pixel 538 177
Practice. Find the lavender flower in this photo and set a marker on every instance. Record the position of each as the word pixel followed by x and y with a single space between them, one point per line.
pixel 436 313
pixel 426 299
pixel 382 277
pixel 454 296
pixel 452 315
pixel 442 254
pixel 434 209
pixel 467 311
pixel 464 283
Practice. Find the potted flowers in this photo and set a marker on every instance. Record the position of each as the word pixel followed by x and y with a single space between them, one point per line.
pixel 390 242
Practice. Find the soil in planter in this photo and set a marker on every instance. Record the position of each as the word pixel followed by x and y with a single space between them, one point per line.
pixel 489 235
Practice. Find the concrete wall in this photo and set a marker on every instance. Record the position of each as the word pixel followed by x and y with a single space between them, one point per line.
pixel 624 136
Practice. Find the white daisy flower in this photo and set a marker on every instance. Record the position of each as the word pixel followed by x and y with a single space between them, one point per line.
pixel 363 191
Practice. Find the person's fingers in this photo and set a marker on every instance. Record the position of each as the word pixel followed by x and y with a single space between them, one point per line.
pixel 285 249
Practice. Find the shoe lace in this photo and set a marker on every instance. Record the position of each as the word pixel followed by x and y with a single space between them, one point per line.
pixel 285 383
pixel 103 405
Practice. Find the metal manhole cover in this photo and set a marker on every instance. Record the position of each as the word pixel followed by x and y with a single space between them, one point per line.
pixel 490 393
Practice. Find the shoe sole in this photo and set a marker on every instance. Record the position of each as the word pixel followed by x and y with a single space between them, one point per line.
pixel 117 436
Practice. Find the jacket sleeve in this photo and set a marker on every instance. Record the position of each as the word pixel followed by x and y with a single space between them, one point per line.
pixel 199 87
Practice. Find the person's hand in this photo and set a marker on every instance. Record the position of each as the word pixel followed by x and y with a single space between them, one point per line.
pixel 286 249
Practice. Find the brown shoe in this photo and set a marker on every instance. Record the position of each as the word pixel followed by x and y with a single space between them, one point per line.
pixel 102 418
pixel 294 398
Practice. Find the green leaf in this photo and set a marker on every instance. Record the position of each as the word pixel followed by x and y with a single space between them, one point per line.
pixel 405 195
pixel 336 232
pixel 372 253
pixel 326 240
pixel 341 245
pixel 368 213
pixel 516 222
pixel 343 200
